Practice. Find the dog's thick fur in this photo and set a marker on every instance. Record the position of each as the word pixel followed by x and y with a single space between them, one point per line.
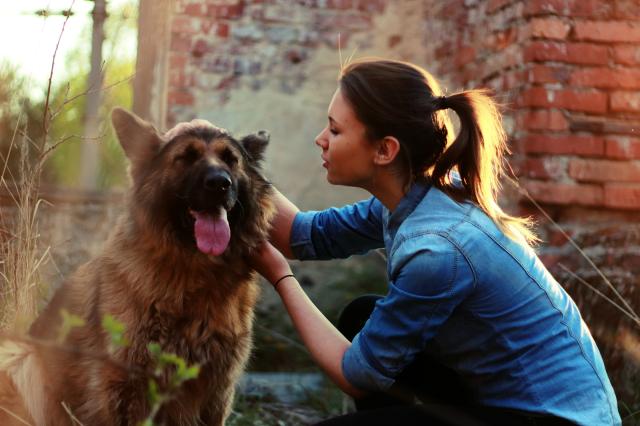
pixel 152 277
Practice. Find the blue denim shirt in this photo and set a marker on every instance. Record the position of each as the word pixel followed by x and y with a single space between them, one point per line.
pixel 463 292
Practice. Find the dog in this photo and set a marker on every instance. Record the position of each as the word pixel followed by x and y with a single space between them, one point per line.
pixel 174 271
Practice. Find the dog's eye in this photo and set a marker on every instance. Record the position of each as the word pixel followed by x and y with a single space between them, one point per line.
pixel 229 157
pixel 189 155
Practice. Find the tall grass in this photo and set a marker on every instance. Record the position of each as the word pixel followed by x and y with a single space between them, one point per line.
pixel 20 250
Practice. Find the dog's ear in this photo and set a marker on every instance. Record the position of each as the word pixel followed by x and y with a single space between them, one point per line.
pixel 255 144
pixel 139 139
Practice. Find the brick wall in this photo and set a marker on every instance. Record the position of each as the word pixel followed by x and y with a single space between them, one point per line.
pixel 567 71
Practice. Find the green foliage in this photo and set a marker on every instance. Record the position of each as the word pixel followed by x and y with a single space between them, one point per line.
pixel 177 372
pixel 67 105
pixel 69 321
pixel 68 99
pixel 116 330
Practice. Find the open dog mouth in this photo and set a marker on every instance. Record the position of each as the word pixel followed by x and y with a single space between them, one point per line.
pixel 211 231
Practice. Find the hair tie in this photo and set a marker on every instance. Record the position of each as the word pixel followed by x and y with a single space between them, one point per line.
pixel 439 103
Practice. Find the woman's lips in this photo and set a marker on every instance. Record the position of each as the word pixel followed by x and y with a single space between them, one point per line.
pixel 325 163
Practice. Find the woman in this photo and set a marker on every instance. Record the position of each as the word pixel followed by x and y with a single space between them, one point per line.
pixel 473 325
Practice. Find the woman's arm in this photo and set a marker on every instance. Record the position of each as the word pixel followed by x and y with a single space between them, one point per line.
pixel 325 343
pixel 281 224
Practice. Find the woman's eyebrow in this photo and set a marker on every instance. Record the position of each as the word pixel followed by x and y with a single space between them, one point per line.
pixel 332 120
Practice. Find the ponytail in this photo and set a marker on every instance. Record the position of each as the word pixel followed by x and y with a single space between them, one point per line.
pixel 477 153
pixel 399 99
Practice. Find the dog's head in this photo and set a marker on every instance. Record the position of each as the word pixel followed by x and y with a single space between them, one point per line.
pixel 196 184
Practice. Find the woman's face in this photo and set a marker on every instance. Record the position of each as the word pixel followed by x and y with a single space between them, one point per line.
pixel 347 154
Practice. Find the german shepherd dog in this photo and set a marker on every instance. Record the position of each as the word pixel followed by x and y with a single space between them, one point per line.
pixel 174 270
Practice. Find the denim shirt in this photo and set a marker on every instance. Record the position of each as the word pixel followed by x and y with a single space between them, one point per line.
pixel 466 294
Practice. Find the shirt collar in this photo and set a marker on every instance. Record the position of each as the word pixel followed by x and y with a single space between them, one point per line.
pixel 407 205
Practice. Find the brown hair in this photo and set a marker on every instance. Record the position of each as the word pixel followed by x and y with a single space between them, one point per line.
pixel 402 100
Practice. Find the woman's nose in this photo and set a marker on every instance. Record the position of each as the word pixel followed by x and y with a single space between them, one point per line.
pixel 321 139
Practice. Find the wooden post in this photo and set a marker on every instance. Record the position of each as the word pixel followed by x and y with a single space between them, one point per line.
pixel 151 80
pixel 89 166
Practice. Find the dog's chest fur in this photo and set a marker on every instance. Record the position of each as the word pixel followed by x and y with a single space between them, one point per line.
pixel 198 310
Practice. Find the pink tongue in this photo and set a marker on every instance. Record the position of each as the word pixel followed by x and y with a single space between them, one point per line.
pixel 212 233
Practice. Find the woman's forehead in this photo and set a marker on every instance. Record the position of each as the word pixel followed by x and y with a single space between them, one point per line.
pixel 340 110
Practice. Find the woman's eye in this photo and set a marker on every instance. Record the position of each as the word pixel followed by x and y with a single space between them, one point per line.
pixel 333 131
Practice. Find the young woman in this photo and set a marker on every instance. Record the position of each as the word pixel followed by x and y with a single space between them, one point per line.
pixel 473 326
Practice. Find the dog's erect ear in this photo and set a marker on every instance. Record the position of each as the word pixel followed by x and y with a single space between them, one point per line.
pixel 139 139
pixel 255 144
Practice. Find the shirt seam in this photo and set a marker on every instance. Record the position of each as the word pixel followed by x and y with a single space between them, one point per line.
pixel 562 321
pixel 445 236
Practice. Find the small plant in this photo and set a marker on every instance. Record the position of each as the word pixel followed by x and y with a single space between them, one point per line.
pixel 116 330
pixel 69 321
pixel 180 372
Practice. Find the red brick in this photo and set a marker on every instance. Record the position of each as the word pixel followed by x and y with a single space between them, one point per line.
pixel 541 7
pixel 180 97
pixel 185 25
pixel 549 27
pixel 222 30
pixel 195 9
pixel 499 40
pixel 199 48
pixel 180 42
pixel 370 5
pixel 627 9
pixel 563 193
pixel 543 168
pixel 621 78
pixel 444 50
pixel 568 145
pixel 557 238
pixel 595 102
pixel 625 101
pixel 621 147
pixel 178 78
pixel 340 4
pixel 227 11
pixel 623 31
pixel 575 8
pixel 622 196
pixel 464 55
pixel 550 261
pixel 572 53
pixel 547 74
pixel 604 170
pixel 496 5
pixel 626 54
pixel 543 120
pixel 177 60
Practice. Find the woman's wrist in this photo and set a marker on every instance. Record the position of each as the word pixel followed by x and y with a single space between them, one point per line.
pixel 277 284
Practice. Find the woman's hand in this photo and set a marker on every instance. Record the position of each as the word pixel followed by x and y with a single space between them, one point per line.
pixel 269 262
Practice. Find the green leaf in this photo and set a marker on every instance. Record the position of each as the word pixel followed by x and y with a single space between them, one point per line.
pixel 69 321
pixel 116 330
pixel 191 372
pixel 153 393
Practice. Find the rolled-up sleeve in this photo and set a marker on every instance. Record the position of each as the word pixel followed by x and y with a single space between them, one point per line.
pixel 432 279
pixel 337 232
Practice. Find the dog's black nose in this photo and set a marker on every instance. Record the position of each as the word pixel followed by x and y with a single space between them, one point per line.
pixel 217 180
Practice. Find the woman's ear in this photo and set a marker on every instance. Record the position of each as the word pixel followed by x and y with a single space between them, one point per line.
pixel 388 149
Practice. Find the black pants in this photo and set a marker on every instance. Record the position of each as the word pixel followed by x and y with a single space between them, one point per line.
pixel 425 393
